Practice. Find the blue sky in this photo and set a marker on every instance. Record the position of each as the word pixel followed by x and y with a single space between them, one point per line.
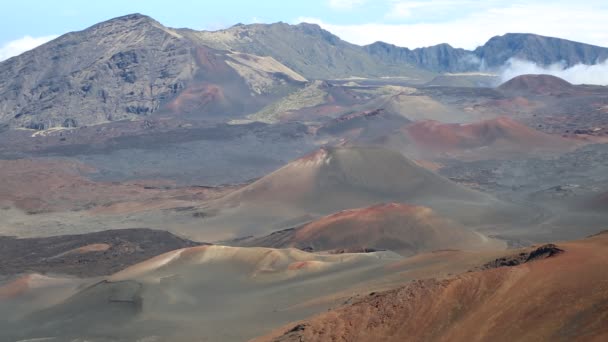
pixel 462 23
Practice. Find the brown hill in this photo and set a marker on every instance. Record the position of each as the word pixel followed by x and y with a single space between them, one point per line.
pixel 398 227
pixel 537 85
pixel 335 172
pixel 334 179
pixel 561 297
pixel 491 138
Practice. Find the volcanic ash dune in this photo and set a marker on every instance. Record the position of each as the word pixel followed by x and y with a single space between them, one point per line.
pixel 214 293
pixel 256 262
pixel 333 179
pixel 398 227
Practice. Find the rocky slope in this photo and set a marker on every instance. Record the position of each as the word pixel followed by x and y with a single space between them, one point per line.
pixel 130 67
pixel 550 297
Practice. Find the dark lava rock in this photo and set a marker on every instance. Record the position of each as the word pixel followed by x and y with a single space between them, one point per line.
pixel 68 254
pixel 542 252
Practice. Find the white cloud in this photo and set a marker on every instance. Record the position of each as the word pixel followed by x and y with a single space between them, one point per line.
pixel 577 74
pixel 345 4
pixel 400 9
pixel 473 27
pixel 19 46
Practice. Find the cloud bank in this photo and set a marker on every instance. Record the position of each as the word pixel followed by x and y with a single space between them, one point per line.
pixel 19 46
pixel 577 74
pixel 468 24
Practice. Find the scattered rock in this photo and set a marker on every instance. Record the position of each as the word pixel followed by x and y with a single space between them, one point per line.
pixel 539 253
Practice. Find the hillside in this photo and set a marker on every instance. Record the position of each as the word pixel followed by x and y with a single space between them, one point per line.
pixel 548 297
pixel 128 68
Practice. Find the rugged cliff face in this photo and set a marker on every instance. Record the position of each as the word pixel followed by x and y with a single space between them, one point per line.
pixel 438 58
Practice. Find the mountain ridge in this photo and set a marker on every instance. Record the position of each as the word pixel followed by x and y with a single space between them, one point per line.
pixel 132 66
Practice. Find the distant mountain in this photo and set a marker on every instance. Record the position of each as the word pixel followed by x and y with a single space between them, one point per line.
pixel 498 50
pixel 538 49
pixel 305 48
pixel 132 66
pixel 316 53
pixel 438 58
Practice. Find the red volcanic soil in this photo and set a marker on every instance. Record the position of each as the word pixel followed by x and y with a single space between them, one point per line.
pixel 563 297
pixel 505 134
pixel 196 97
pixel 537 85
pixel 36 185
pixel 199 95
pixel 403 228
pixel 211 62
pixel 15 287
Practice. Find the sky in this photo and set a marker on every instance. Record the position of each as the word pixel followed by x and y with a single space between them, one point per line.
pixel 25 24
